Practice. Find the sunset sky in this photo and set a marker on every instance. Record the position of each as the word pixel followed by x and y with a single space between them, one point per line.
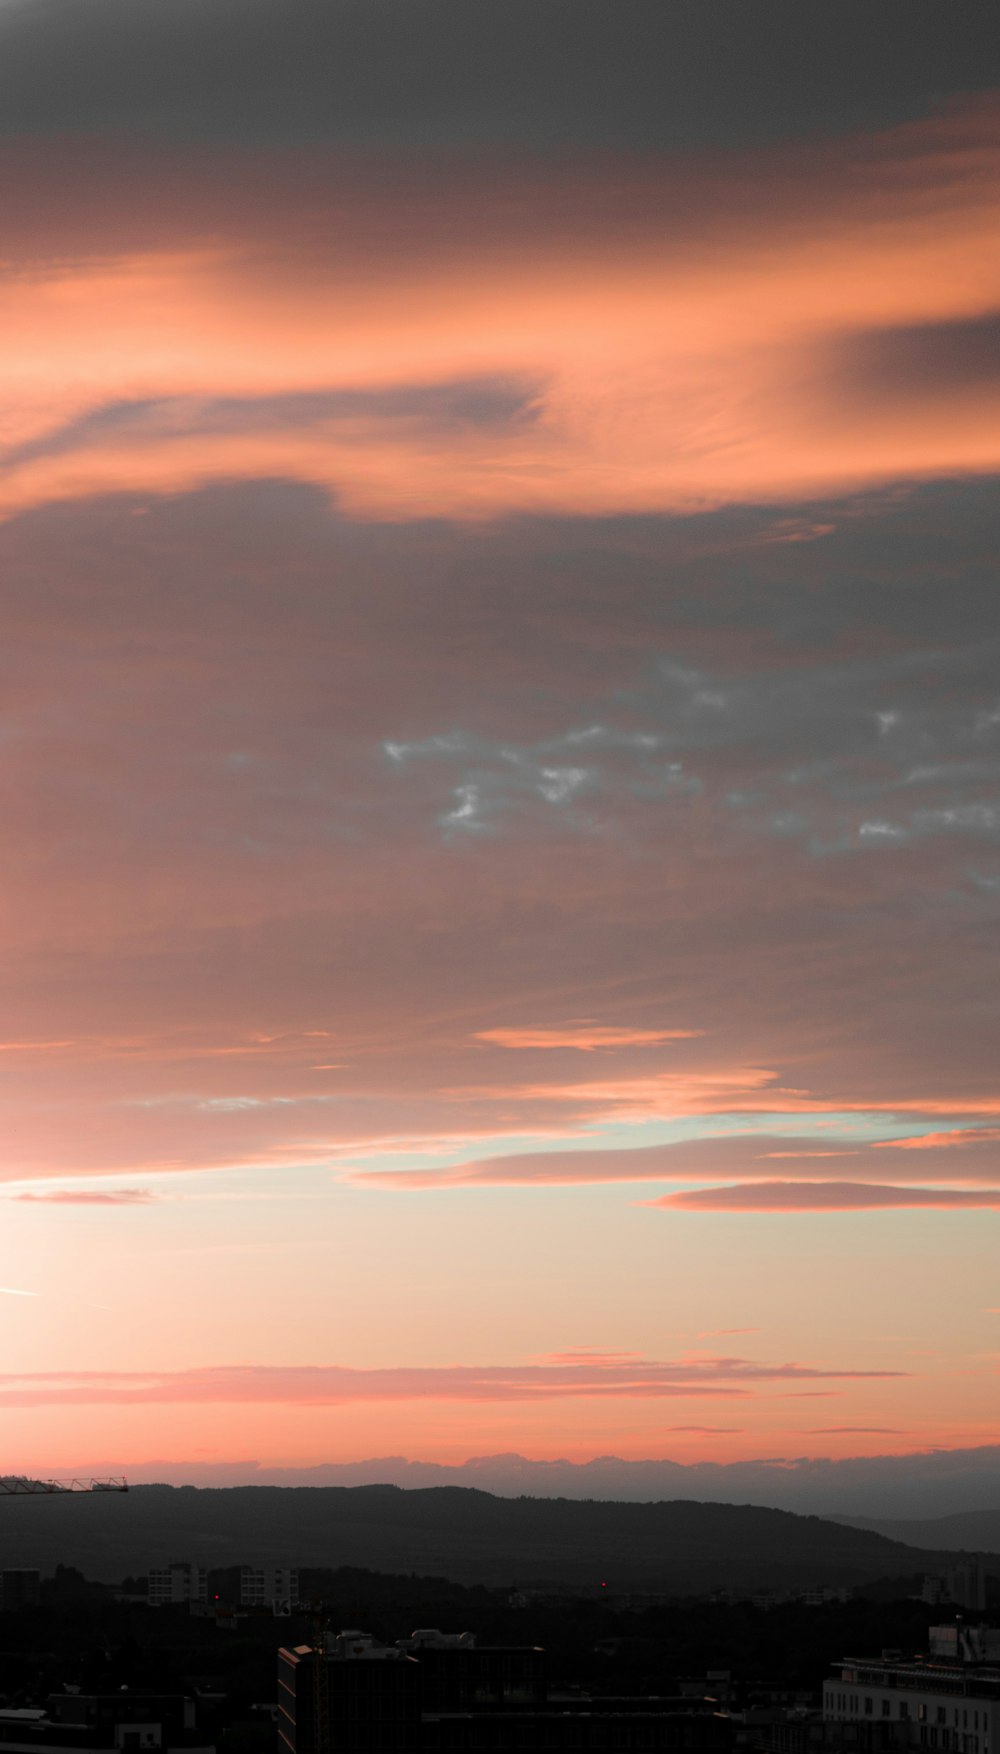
pixel 499 729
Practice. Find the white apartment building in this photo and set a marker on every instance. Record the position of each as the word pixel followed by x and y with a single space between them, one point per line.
pixel 266 1586
pixel 949 1702
pixel 180 1581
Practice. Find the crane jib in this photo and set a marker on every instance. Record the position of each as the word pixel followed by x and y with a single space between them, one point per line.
pixel 20 1486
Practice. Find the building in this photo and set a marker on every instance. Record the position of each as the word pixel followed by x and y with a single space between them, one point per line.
pixel 456 1674
pixel 771 1730
pixel 577 1732
pixel 180 1581
pixel 357 1694
pixel 269 1586
pixel 964 1584
pixel 948 1701
pixel 440 1693
pixel 966 1644
pixel 19 1589
pixel 126 1721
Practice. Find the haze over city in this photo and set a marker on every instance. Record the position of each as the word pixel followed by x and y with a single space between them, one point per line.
pixel 500 739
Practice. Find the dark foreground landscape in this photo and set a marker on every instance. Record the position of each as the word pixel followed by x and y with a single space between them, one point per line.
pixel 469 1536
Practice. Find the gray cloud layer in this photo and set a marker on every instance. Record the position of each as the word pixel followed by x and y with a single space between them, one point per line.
pixel 541 73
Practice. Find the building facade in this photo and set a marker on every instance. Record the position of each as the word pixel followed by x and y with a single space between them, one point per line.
pixel 127 1721
pixel 947 1702
pixel 180 1581
pixel 440 1693
pixel 357 1695
pixel 269 1586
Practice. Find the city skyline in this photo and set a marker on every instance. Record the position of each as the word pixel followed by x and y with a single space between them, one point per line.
pixel 500 731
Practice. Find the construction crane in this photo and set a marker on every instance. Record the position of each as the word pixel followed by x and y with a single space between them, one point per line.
pixel 20 1486
pixel 321 1682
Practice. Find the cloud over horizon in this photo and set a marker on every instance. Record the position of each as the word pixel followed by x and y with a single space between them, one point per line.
pixel 327 1385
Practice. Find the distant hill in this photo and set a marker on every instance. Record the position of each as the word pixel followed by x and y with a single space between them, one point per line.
pixel 924 1483
pixel 968 1531
pixel 455 1532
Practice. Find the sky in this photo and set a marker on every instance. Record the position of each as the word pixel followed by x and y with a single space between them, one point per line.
pixel 499 731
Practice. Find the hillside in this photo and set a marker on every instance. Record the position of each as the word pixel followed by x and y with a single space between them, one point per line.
pixel 967 1531
pixel 456 1532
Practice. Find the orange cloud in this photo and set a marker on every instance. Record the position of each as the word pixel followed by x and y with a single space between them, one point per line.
pixel 702 357
pixel 955 1137
pixel 584 1036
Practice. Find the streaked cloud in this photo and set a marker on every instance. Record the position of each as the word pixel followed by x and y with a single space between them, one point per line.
pixel 748 1155
pixel 89 1197
pixel 857 1430
pixel 327 1385
pixel 231 344
pixel 824 1197
pixel 584 1036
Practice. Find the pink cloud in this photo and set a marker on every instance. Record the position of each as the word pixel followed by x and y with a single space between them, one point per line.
pixel 708 1430
pixel 722 1333
pixel 810 1395
pixel 742 1155
pixel 90 1197
pixel 779 1196
pixel 33 1047
pixel 800 1156
pixel 852 1430
pixel 327 1385
pixel 955 1136
pixel 584 1036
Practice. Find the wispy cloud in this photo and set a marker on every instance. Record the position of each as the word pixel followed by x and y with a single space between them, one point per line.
pixel 90 1197
pixel 33 1047
pixel 328 1385
pixel 823 1197
pixel 852 1430
pixel 739 364
pixel 954 1138
pixel 742 1156
pixel 585 1036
